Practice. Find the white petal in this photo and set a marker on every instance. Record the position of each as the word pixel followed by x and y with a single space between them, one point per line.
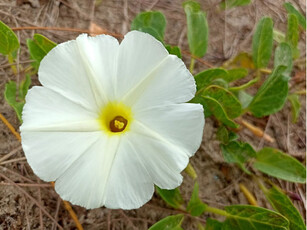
pixel 84 183
pixel 139 54
pixel 100 54
pixel 168 83
pixel 109 174
pixel 50 154
pixel 180 124
pixel 46 110
pixel 65 71
pixel 130 184
pixel 163 160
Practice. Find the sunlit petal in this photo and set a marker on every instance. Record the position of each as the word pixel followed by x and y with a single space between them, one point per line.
pixel 47 110
pixel 139 54
pixel 180 124
pixel 168 83
pixel 100 55
pixel 50 154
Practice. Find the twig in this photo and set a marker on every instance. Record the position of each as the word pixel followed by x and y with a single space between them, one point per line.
pixel 255 130
pixel 21 62
pixel 57 211
pixel 177 212
pixel 67 206
pixel 109 220
pixel 73 215
pixel 249 196
pixel 126 17
pixel 64 29
pixel 198 59
pixel 128 219
pixel 152 5
pixel 77 10
pixel 6 156
pixel 76 30
pixel 261 142
pixel 17 174
pixel 26 185
pixel 31 198
pixel 13 160
pixel 40 210
pixel 11 128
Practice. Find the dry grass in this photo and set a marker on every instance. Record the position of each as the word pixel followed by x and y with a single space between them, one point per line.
pixel 29 203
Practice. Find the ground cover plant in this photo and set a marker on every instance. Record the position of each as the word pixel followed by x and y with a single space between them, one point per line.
pixel 238 93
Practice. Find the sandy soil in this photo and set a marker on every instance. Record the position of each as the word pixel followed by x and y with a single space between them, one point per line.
pixel 39 207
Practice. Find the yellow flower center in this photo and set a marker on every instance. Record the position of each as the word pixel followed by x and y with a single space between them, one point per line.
pixel 115 118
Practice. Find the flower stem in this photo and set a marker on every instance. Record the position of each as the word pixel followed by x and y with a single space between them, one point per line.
pixel 260 184
pixel 10 127
pixel 264 70
pixel 244 86
pixel 249 196
pixel 216 211
pixel 192 63
pixel 11 61
pixel 191 171
pixel 301 92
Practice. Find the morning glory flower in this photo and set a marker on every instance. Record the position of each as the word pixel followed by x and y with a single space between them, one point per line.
pixel 110 120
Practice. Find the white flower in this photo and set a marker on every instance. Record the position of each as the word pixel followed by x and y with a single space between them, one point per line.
pixel 110 120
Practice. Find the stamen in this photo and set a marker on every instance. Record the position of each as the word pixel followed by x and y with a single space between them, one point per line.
pixel 118 124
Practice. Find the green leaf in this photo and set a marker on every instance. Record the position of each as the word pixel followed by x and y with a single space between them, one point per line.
pixel 195 206
pixel 283 56
pixel 229 102
pixel 233 136
pixel 197 28
pixel 222 134
pixel 242 60
pixel 24 86
pixel 10 96
pixel 175 50
pixel 204 78
pixel 152 22
pixel 227 4
pixel 8 40
pixel 295 106
pixel 202 101
pixel 218 111
pixel 272 95
pixel 263 42
pixel 200 226
pixel 282 204
pixel 243 217
pixel 244 86
pixel 239 153
pixel 279 36
pixel 291 10
pixel 278 164
pixel 169 223
pixel 172 197
pixel 220 82
pixel 38 47
pixel 212 224
pixel 225 136
pixel 236 74
pixel 244 98
pixel 292 35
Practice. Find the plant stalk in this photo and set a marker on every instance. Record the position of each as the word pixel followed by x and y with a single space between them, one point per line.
pixel 192 63
pixel 216 211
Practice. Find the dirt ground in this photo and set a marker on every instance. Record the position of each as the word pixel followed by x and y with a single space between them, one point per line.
pixel 38 207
